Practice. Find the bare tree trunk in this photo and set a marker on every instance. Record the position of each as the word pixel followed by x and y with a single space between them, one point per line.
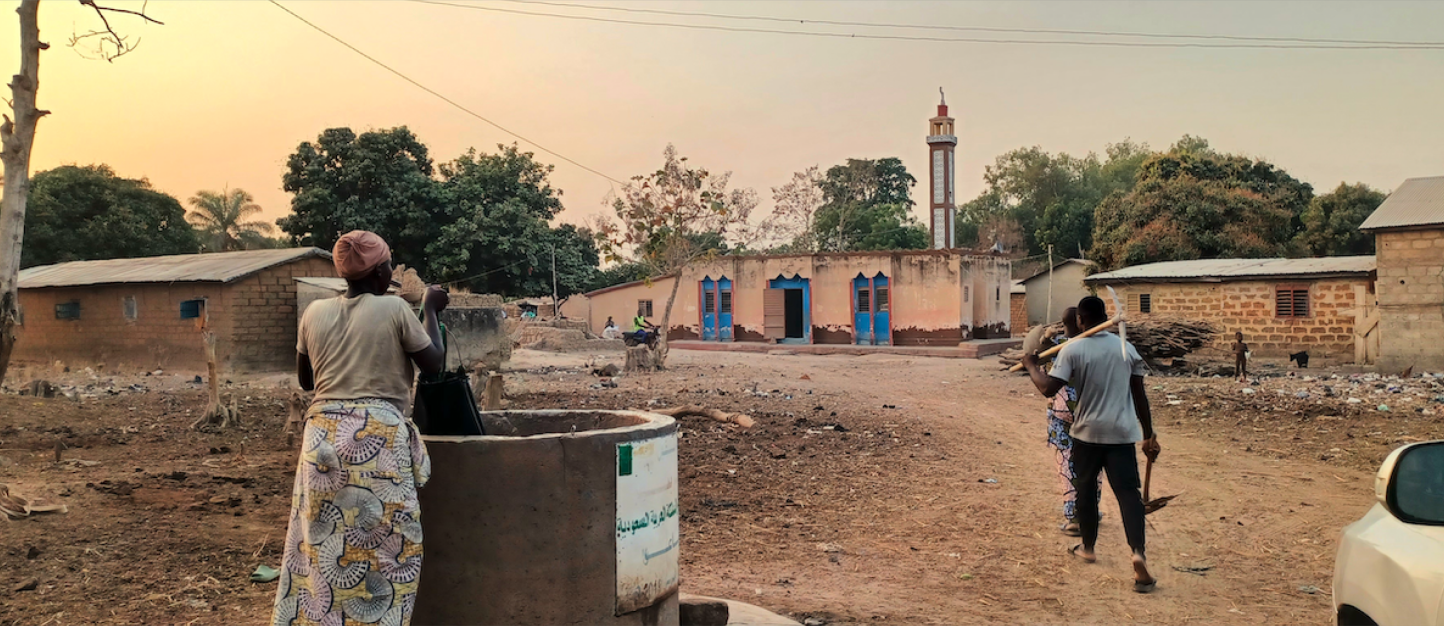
pixel 216 413
pixel 17 136
pixel 667 319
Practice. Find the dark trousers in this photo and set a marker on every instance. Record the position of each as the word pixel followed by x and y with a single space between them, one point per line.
pixel 1121 464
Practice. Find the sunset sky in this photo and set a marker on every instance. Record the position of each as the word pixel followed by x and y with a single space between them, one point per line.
pixel 224 91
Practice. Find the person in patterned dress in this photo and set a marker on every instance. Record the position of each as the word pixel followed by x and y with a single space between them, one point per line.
pixel 353 545
pixel 1060 418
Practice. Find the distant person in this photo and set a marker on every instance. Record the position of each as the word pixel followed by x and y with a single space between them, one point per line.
pixel 640 326
pixel 1240 357
pixel 610 330
pixel 352 552
pixel 1060 421
pixel 610 323
pixel 1111 415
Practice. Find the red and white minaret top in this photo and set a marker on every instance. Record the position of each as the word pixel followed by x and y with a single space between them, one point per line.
pixel 942 206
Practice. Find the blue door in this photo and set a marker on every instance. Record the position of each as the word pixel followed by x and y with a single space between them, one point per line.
pixel 724 309
pixel 862 311
pixel 796 308
pixel 882 308
pixel 709 309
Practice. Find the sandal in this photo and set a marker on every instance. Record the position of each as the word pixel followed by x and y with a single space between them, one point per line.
pixel 1140 567
pixel 1071 529
pixel 1078 552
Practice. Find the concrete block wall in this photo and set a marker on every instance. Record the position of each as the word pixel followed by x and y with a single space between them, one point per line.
pixel 1411 299
pixel 1249 307
pixel 262 310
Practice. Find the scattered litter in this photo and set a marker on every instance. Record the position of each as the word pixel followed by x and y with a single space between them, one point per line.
pixel 16 507
pixel 1355 401
pixel 830 548
pixel 990 481
pixel 1247 391
pixel 1310 589
pixel 1200 570
pixel 805 377
pixel 1383 408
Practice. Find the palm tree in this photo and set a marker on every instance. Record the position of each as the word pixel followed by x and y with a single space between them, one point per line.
pixel 221 218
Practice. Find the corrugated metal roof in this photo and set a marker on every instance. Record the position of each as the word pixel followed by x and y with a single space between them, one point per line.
pixel 1417 202
pixel 217 267
pixel 1084 262
pixel 1208 270
pixel 1018 287
pixel 337 285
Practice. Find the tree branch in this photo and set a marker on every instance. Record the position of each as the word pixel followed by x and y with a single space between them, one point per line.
pixel 122 44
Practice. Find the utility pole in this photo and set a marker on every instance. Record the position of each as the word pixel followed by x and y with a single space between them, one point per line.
pixel 1049 315
pixel 556 306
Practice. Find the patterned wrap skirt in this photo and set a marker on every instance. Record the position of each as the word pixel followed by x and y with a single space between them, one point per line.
pixel 353 545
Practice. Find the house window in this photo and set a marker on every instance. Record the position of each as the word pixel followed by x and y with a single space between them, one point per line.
pixel 881 299
pixel 864 300
pixel 709 301
pixel 1291 301
pixel 967 294
pixel 67 311
pixel 1140 302
pixel 129 309
pixel 644 308
pixel 726 301
pixel 191 309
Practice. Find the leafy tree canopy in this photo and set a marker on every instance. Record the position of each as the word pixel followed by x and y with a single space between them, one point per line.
pixel 379 181
pixel 1200 204
pixel 1331 223
pixel 481 221
pixel 79 213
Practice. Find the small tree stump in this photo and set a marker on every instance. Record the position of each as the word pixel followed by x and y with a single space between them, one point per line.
pixel 216 412
pixel 641 359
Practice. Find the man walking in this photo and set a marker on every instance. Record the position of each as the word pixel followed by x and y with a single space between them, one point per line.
pixel 1111 415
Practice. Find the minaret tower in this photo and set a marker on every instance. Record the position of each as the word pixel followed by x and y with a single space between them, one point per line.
pixel 941 142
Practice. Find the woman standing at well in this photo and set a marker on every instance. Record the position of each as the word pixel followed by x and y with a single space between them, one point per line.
pixel 353 546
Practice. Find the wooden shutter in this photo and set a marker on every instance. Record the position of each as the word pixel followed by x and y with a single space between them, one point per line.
pixel 1291 301
pixel 881 301
pixel 774 313
pixel 1145 303
pixel 1301 303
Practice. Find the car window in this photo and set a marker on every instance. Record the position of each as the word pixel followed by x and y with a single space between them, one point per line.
pixel 1419 484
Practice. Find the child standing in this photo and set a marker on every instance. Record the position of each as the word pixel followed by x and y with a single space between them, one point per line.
pixel 1240 357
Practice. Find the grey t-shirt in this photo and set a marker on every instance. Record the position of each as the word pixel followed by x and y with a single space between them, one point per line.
pixel 1097 369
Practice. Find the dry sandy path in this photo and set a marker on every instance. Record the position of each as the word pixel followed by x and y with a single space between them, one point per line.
pixel 950 549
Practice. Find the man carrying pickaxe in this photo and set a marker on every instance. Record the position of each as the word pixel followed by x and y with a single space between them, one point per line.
pixel 1112 415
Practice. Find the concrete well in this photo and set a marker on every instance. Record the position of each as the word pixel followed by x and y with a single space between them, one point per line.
pixel 555 517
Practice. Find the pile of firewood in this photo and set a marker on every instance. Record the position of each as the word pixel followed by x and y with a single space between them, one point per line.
pixel 1154 338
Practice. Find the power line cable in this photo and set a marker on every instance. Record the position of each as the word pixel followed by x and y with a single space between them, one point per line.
pixel 986 29
pixel 1052 42
pixel 442 97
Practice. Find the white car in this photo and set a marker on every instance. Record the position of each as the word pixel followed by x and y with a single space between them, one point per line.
pixel 1390 568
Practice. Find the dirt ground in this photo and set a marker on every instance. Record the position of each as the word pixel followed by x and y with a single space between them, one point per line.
pixel 876 489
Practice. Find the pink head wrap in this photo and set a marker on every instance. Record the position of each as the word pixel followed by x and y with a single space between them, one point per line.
pixel 358 252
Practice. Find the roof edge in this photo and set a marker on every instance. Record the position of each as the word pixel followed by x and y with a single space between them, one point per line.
pixel 311 253
pixel 597 292
pixel 1102 279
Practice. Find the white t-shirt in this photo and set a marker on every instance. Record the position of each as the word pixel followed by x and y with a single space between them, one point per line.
pixel 1097 369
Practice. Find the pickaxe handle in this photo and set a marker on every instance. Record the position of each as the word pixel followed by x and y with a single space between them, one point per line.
pixel 1087 333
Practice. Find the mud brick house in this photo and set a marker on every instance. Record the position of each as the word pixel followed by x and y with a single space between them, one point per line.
pixel 1282 306
pixel 915 297
pixel 147 312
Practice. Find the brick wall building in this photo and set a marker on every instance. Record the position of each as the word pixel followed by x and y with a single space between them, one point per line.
pixel 146 313
pixel 1281 306
pixel 1408 233
pixel 1018 304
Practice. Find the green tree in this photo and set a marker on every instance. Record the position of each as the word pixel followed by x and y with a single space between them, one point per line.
pixel 617 274
pixel 1200 204
pixel 1331 223
pixel 860 226
pixel 379 181
pixel 660 216
pixel 496 237
pixel 223 221
pixel 867 205
pixel 79 213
